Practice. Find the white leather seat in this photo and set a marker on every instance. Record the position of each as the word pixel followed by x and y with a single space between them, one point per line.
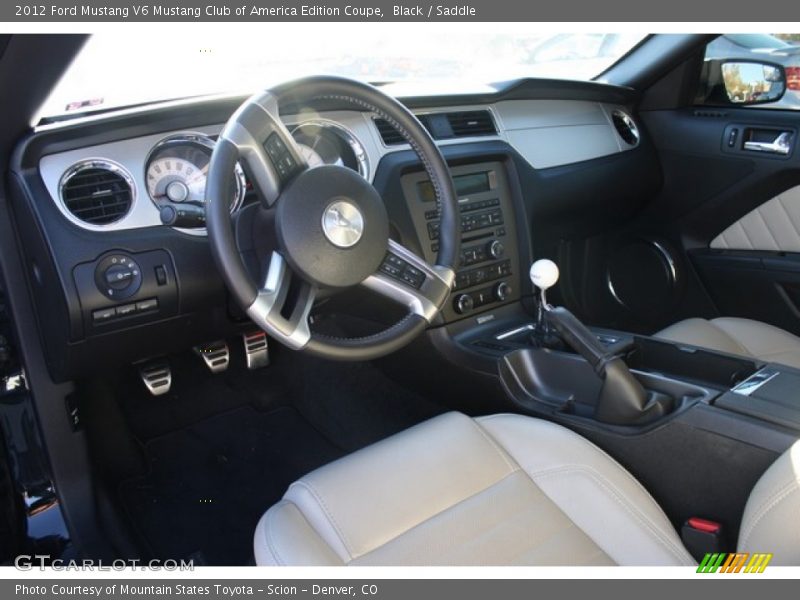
pixel 744 337
pixel 499 490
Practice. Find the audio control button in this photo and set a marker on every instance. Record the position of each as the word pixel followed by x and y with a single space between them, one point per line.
pixel 397 268
pixel 463 303
pixel 502 291
pixel 496 249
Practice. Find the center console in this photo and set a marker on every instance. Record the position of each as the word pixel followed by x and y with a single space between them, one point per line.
pixel 720 422
pixel 488 271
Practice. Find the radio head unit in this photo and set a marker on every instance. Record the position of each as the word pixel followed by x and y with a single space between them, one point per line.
pixel 487 275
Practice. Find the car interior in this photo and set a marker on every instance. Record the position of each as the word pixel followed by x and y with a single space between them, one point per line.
pixel 548 322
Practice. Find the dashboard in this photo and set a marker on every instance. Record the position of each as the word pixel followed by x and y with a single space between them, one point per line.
pixel 112 206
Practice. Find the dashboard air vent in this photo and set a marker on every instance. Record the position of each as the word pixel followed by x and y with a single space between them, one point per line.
pixel 626 127
pixel 97 192
pixel 471 123
pixel 444 126
pixel 389 135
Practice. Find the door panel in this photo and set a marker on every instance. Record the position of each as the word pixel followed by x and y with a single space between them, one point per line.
pixel 775 226
pixel 740 238
pixel 753 284
pixel 707 188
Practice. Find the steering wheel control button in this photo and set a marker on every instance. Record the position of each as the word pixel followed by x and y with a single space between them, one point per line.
pixel 343 224
pixel 281 156
pixel 118 277
pixel 399 269
pixel 275 147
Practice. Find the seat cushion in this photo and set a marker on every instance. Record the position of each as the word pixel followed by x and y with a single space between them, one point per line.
pixel 771 521
pixel 499 490
pixel 744 337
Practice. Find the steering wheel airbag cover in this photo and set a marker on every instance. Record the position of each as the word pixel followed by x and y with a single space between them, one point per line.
pixel 301 233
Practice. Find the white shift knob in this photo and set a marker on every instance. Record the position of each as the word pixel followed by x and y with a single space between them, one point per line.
pixel 544 273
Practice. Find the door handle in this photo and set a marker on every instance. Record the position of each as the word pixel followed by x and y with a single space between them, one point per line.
pixel 780 145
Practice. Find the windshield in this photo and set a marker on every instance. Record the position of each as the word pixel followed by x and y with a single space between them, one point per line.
pixel 134 66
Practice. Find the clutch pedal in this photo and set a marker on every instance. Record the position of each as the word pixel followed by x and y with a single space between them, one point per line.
pixel 256 349
pixel 216 355
pixel 156 376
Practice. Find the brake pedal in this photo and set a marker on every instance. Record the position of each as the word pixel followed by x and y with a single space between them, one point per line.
pixel 216 355
pixel 156 376
pixel 256 349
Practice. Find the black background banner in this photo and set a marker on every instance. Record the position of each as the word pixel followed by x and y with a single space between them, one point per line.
pixel 50 11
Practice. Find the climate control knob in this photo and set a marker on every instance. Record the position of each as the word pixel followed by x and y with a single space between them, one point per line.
pixel 502 291
pixel 463 303
pixel 496 249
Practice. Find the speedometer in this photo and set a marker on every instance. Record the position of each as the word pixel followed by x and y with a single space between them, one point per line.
pixel 177 168
pixel 323 142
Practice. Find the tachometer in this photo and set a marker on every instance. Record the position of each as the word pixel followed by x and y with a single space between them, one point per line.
pixel 176 170
pixel 325 142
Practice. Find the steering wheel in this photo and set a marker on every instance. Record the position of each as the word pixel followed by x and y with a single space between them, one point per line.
pixel 331 225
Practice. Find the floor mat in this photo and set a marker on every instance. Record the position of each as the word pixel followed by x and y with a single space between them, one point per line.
pixel 210 482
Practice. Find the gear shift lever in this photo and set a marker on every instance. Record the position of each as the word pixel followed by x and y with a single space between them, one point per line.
pixel 623 400
pixel 544 275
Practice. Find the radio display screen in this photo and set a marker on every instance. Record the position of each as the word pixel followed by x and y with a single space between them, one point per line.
pixel 471 183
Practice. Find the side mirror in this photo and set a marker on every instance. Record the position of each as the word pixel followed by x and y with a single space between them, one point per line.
pixel 743 82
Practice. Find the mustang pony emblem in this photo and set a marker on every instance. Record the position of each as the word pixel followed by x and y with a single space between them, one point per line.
pixel 343 224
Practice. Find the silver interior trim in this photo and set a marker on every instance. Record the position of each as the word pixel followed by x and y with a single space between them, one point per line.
pixel 265 311
pixel 755 381
pixel 629 123
pixel 194 137
pixel 95 163
pixel 347 135
pixel 415 300
pixel 545 133
pixel 516 331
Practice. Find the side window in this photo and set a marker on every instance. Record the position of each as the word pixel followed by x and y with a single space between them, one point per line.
pixel 752 69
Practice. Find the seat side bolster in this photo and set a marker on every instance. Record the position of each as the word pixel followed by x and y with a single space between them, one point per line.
pixel 284 537
pixel 771 522
pixel 593 490
pixel 702 333
pixel 762 340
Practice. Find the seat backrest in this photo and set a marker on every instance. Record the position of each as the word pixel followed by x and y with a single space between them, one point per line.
pixel 771 521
